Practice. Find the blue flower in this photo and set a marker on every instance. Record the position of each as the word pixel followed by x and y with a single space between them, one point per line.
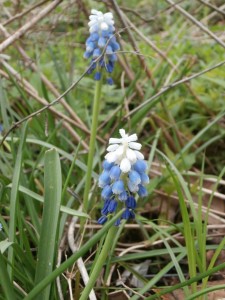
pixel 104 210
pixel 1 227
pixel 115 172
pixel 123 196
pixel 101 45
pixel 112 206
pixel 142 192
pixel 126 214
pixel 140 166
pixel 107 192
pixel 124 175
pixel 117 223
pixel 106 165
pixel 104 179
pixel 131 202
pixel 144 179
pixel 102 220
pixel 97 76
pixel 118 187
pixel 134 177
pixel 133 188
pixel 110 81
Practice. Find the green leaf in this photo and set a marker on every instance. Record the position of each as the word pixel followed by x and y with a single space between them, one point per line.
pixel 49 228
pixel 39 198
pixel 14 197
pixel 4 245
pixel 6 284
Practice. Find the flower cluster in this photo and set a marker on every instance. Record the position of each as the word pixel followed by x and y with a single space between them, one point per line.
pixel 101 40
pixel 124 174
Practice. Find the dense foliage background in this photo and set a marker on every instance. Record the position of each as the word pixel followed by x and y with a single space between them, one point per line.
pixel 169 89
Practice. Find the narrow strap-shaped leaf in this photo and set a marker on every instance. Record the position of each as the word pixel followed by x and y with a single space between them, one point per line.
pixel 49 228
pixel 14 197
pixel 5 282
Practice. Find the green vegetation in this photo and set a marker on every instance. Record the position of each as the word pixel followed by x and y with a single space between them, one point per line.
pixel 169 89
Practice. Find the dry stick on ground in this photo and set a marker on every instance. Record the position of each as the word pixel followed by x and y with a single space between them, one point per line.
pixel 15 36
pixel 33 93
pixel 152 19
pixel 29 89
pixel 213 7
pixel 23 13
pixel 169 61
pixel 174 147
pixel 46 81
pixel 197 23
pixel 172 85
pixel 79 262
pixel 132 40
pixel 47 106
pixel 213 14
pixel 62 248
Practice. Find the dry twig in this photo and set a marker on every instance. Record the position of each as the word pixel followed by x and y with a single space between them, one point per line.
pixel 15 36
pixel 172 85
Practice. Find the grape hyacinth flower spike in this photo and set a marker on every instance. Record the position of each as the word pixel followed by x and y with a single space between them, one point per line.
pixel 101 40
pixel 124 175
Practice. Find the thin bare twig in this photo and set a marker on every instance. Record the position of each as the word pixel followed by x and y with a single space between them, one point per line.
pixel 33 93
pixel 132 40
pixel 213 14
pixel 47 106
pixel 23 13
pixel 12 38
pixel 197 23
pixel 51 87
pixel 213 7
pixel 80 263
pixel 172 85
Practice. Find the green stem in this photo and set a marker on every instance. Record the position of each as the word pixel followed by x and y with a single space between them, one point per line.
pixel 101 261
pixel 92 143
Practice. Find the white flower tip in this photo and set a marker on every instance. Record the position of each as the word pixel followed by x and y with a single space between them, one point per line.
pixel 132 138
pixel 131 155
pixel 125 165
pixel 111 157
pixel 101 21
pixel 104 26
pixel 114 141
pixel 108 15
pixel 95 12
pixel 122 132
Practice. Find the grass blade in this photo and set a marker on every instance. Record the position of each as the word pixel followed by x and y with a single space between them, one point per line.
pixel 5 281
pixel 48 237
pixel 14 197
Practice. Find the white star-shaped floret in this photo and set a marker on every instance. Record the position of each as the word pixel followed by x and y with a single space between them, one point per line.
pixel 100 21
pixel 124 151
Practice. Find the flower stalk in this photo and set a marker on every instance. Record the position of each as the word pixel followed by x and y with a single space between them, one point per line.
pixel 101 46
pixel 91 152
pixel 101 261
